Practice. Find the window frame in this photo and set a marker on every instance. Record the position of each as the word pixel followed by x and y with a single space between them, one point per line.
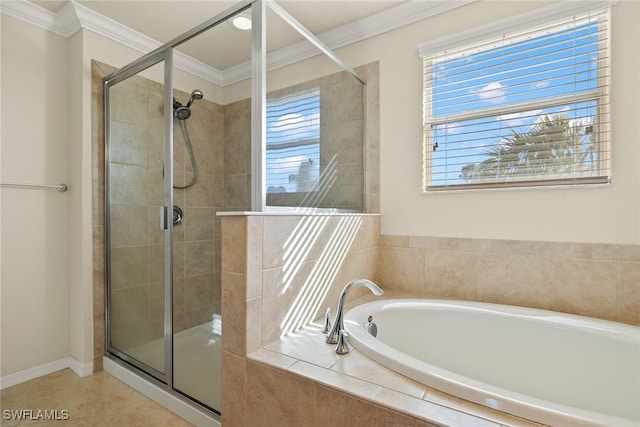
pixel 465 41
pixel 291 97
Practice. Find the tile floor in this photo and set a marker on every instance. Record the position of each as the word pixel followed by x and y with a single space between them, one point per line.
pixel 98 400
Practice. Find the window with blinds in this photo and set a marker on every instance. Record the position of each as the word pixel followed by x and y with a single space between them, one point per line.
pixel 527 108
pixel 293 143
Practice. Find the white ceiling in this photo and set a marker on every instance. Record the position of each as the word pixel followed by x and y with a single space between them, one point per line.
pixel 224 46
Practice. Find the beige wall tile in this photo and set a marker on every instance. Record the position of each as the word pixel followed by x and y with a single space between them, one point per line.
pixel 156 188
pixel 129 103
pixel 198 291
pixel 279 398
pixel 198 257
pixel 401 268
pixel 201 194
pixel 439 414
pixel 129 266
pixel 358 412
pixel 233 244
pixel 452 274
pixel 129 225
pixel 234 401
pixel 355 386
pixel 253 326
pixel 368 235
pixel 583 287
pixel 254 256
pixel 281 234
pixel 178 296
pixel 179 259
pixel 283 299
pixel 305 347
pixel 128 143
pixel 510 279
pixel 439 243
pixel 98 335
pixel 273 359
pixel 629 292
pixel 355 364
pixel 98 293
pixel 616 252
pixel 156 302
pixel 237 195
pixel 198 224
pixel 234 312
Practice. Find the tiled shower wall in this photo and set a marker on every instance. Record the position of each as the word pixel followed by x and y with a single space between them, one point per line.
pixel 596 280
pixel 342 142
pixel 343 134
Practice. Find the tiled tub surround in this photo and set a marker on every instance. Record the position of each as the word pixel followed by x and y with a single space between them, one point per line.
pixel 595 280
pixel 298 380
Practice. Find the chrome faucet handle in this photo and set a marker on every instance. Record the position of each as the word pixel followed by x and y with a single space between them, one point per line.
pixel 338 323
pixel 327 321
pixel 342 347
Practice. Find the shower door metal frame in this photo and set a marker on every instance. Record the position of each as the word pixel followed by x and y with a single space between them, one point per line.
pixel 161 56
pixel 162 53
pixel 258 150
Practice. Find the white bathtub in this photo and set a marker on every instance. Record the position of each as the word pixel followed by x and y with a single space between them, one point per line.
pixel 548 367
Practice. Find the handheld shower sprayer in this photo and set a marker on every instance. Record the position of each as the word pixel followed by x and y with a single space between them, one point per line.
pixel 196 94
pixel 182 113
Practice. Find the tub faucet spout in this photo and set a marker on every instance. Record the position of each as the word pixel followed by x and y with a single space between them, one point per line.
pixel 338 324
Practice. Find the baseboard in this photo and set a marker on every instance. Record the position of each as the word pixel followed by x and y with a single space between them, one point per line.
pixel 81 369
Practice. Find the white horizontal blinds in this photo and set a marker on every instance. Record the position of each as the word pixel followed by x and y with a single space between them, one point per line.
pixel 293 142
pixel 527 108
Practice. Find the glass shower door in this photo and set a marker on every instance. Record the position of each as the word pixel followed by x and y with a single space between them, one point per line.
pixel 138 239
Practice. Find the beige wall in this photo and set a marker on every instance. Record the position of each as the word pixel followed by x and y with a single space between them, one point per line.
pixel 35 222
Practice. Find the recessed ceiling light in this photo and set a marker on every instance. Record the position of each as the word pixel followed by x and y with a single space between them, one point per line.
pixel 241 21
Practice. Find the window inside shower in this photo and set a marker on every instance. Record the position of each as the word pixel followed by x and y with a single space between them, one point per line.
pixel 293 143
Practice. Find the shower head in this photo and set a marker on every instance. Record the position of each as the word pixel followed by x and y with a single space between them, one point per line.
pixel 182 113
pixel 196 94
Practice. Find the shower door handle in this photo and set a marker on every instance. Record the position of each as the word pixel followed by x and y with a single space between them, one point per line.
pixel 164 217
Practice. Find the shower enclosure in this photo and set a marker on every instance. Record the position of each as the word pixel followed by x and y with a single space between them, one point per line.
pixel 175 158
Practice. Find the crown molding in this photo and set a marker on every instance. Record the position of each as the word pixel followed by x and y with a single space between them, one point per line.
pixel 73 17
pixel 113 30
pixel 33 14
pixel 362 29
